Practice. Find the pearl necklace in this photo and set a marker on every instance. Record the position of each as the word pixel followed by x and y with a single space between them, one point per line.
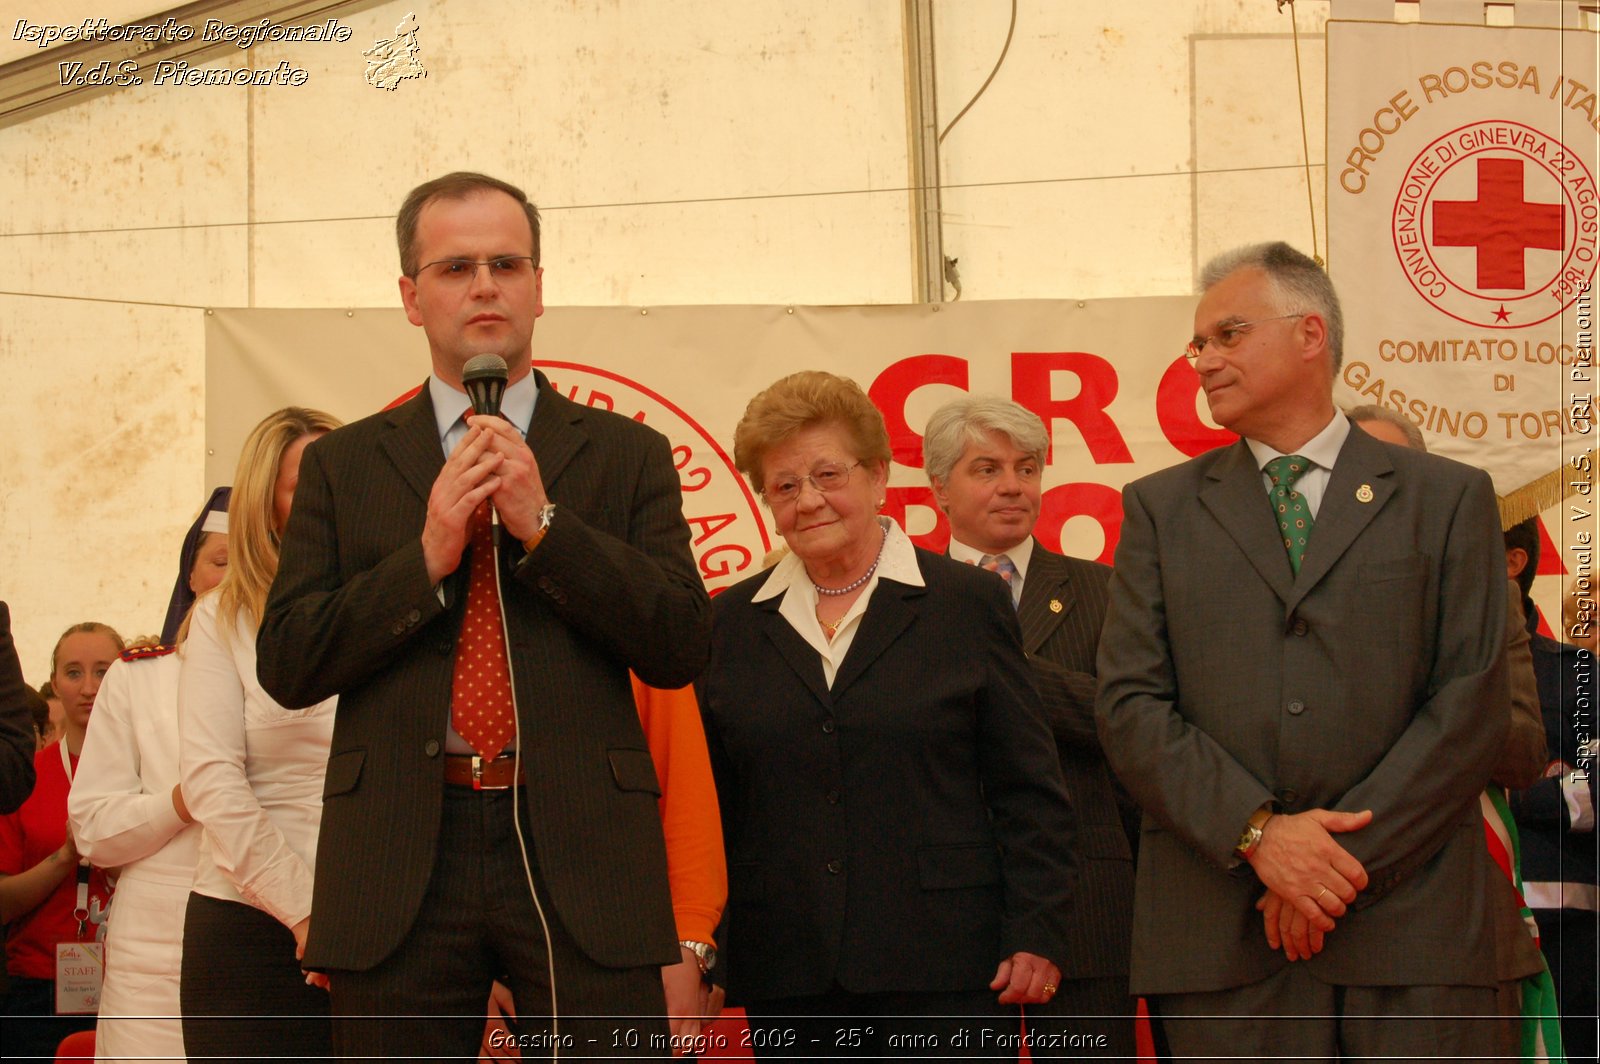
pixel 856 583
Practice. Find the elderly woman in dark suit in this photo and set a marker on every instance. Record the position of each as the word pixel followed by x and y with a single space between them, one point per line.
pixel 898 835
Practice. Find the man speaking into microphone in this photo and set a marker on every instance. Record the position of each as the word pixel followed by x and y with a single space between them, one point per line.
pixel 475 589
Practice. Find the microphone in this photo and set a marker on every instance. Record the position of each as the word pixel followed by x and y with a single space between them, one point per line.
pixel 484 380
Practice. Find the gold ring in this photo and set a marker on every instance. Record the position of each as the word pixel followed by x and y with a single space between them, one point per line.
pixel 1320 893
pixel 1049 988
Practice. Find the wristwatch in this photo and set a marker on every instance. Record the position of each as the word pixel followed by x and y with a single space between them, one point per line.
pixel 546 512
pixel 705 954
pixel 1250 838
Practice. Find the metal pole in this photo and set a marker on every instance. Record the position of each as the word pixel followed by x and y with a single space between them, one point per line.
pixel 922 120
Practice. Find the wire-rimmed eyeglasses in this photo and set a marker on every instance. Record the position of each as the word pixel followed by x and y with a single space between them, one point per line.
pixel 1228 336
pixel 824 478
pixel 460 271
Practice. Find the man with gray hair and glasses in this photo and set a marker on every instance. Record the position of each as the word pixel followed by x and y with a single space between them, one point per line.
pixel 1298 653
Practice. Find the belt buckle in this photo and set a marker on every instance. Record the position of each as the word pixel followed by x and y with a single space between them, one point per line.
pixel 477 777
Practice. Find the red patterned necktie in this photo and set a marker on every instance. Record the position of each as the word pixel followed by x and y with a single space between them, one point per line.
pixel 480 691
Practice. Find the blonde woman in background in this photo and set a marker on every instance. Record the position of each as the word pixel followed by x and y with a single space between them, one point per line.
pixel 252 777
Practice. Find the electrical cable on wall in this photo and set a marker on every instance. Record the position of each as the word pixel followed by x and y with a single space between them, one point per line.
pixel 1305 142
pixel 1010 32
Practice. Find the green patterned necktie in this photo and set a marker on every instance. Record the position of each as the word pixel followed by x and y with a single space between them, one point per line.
pixel 1289 506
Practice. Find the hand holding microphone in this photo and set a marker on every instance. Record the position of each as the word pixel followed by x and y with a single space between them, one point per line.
pixel 517 490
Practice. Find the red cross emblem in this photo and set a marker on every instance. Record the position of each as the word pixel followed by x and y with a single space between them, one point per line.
pixel 1493 224
pixel 1500 224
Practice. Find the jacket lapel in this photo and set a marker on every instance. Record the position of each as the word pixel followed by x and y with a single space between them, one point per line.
pixel 1361 472
pixel 1236 498
pixel 888 615
pixel 794 650
pixel 1046 583
pixel 412 443
pixel 555 434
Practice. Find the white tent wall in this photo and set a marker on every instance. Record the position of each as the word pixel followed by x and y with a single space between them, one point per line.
pixel 683 153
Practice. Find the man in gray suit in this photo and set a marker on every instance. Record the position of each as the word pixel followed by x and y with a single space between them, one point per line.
pixel 984 457
pixel 1302 683
pixel 490 808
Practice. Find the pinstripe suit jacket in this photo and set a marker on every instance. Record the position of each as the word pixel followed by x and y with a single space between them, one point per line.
pixel 611 587
pixel 1062 609
pixel 1372 679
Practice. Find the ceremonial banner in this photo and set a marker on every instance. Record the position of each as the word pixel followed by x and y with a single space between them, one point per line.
pixel 1108 378
pixel 1462 233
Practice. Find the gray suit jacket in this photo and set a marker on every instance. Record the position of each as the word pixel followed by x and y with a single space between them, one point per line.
pixel 1375 679
pixel 1062 609
pixel 612 587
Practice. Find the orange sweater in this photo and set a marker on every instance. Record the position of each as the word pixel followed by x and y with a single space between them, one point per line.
pixel 697 869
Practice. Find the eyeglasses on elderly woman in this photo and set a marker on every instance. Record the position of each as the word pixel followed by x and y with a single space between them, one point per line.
pixel 826 479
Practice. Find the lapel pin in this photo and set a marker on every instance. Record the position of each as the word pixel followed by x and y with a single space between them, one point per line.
pixel 1055 605
pixel 1364 493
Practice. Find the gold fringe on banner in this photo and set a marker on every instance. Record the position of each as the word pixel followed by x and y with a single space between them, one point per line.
pixel 1537 496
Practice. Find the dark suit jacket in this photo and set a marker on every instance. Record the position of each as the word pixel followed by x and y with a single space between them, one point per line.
pixel 1062 610
pixel 1552 852
pixel 17 744
pixel 1375 679
pixel 611 587
pixel 905 830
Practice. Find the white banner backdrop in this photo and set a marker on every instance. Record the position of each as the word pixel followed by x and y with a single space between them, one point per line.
pixel 1462 226
pixel 1107 377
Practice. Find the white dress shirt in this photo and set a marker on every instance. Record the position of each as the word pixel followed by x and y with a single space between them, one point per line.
pixel 1321 450
pixel 799 607
pixel 1020 556
pixel 252 772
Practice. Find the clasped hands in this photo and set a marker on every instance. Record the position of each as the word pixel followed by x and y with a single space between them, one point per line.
pixel 1310 879
pixel 491 462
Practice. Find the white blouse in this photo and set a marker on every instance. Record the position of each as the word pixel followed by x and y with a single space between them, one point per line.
pixel 789 578
pixel 252 772
pixel 121 802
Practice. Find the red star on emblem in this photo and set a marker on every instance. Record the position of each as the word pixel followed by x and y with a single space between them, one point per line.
pixel 1502 314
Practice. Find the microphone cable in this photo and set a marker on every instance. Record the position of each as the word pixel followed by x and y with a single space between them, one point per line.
pixel 496 533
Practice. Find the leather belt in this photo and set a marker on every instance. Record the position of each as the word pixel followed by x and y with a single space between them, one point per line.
pixel 470 770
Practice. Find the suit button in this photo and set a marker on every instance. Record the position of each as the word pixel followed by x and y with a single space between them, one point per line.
pixel 833 797
pixel 431 748
pixel 1300 627
pixel 399 628
pixel 1297 707
pixel 446 647
pixel 827 726
pixel 414 616
pixel 1288 797
pixel 544 583
pixel 835 867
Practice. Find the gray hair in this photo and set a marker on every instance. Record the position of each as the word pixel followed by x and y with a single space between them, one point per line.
pixel 970 419
pixel 1299 285
pixel 1369 412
